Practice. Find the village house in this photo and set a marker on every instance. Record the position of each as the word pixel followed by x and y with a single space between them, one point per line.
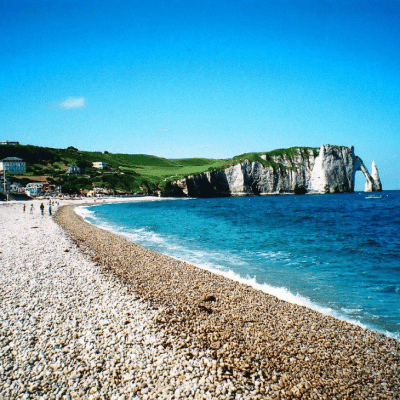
pixel 50 189
pixel 16 188
pixel 13 165
pixel 8 143
pixel 99 191
pixel 74 170
pixel 99 164
pixel 34 189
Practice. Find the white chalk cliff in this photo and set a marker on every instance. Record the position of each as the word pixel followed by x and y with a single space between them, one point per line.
pixel 331 169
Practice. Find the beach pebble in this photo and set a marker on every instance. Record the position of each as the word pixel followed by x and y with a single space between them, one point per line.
pixel 65 326
pixel 108 319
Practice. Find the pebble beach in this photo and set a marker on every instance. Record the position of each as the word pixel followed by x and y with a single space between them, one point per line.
pixel 88 314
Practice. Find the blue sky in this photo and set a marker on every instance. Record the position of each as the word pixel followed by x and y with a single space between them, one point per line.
pixel 213 79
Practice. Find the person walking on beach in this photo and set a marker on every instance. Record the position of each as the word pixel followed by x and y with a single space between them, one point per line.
pixel 49 209
pixel 41 208
pixel 31 209
pixel 24 208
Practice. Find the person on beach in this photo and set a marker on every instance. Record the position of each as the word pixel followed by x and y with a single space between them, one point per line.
pixel 31 209
pixel 41 208
pixel 24 208
pixel 49 209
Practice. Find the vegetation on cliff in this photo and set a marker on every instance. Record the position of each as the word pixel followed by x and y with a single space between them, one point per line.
pixel 131 173
pixel 269 159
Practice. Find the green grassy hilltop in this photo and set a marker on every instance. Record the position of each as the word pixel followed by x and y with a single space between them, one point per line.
pixel 130 173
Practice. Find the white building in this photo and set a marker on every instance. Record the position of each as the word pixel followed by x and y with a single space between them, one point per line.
pixel 13 165
pixel 8 143
pixel 99 164
pixel 32 189
pixel 15 187
pixel 74 170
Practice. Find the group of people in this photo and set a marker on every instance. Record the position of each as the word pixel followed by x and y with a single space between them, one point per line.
pixel 42 207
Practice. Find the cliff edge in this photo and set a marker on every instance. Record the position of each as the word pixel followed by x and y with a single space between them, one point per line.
pixel 329 169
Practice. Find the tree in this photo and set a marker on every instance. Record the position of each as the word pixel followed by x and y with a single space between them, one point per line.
pixel 83 164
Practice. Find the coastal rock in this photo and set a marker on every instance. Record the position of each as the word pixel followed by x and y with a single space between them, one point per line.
pixel 377 185
pixel 329 169
pixel 333 170
pixel 372 182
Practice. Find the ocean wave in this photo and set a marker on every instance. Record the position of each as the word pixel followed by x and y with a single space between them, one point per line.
pixel 141 236
pixel 389 289
pixel 85 212
pixel 351 310
pixel 278 255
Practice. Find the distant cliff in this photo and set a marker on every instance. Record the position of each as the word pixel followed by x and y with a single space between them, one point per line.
pixel 330 169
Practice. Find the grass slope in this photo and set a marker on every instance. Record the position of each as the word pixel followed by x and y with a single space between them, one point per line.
pixel 134 173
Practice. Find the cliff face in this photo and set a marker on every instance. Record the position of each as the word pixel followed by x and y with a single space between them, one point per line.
pixel 332 170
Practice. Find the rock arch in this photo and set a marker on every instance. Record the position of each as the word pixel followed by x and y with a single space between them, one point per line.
pixel 373 182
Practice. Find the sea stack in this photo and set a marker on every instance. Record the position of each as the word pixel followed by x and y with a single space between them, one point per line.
pixel 375 177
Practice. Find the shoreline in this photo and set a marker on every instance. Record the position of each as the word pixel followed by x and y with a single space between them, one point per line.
pixel 89 201
pixel 70 329
pixel 253 336
pixel 280 292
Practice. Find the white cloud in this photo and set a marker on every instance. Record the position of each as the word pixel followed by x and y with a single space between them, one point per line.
pixel 73 102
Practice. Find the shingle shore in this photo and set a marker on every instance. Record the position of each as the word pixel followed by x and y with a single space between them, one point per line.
pixel 69 329
pixel 257 346
pixel 138 324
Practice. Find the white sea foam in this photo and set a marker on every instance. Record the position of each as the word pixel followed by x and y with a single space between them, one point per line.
pixel 140 235
pixel 84 212
pixel 281 255
pixel 281 293
pixel 143 236
pixel 351 310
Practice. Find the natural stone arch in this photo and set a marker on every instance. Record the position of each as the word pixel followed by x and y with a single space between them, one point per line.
pixel 373 183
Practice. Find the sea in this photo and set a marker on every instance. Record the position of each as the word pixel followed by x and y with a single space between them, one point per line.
pixel 338 254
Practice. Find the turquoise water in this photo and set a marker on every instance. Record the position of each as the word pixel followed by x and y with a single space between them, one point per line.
pixel 338 254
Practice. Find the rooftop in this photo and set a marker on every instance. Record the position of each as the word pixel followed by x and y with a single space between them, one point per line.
pixel 8 142
pixel 12 159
